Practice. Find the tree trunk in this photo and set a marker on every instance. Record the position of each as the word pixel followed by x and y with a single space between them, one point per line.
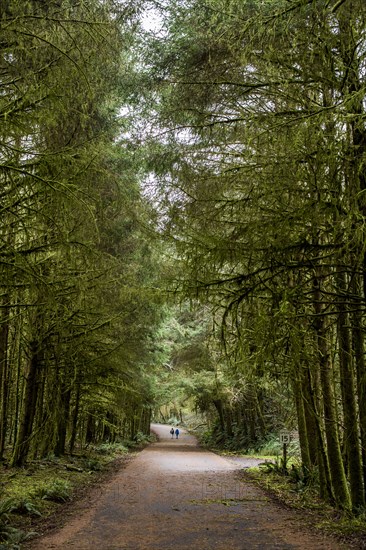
pixel 310 401
pixel 4 378
pixel 29 408
pixel 62 421
pixel 301 420
pixel 90 429
pixel 220 411
pixel 40 424
pixel 75 418
pixel 359 355
pixel 336 467
pixel 350 417
pixel 19 385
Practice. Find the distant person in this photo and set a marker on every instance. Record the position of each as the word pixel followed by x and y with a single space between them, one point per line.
pixel 176 433
pixel 172 432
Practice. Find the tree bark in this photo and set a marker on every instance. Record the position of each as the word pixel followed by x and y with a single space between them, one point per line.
pixel 4 377
pixel 336 467
pixel 75 418
pixel 350 417
pixel 359 355
pixel 301 420
pixel 220 411
pixel 310 412
pixel 22 443
pixel 62 421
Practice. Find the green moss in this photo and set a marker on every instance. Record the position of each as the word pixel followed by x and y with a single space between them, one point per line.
pixel 43 486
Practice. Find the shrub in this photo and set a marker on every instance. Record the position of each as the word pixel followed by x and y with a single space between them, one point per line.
pixel 57 490
pixel 26 507
pixel 10 537
pixel 93 465
pixel 110 448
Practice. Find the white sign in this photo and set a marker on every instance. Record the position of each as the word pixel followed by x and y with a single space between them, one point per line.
pixel 285 437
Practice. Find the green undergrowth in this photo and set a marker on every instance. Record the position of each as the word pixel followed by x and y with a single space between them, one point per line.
pixel 34 493
pixel 293 487
pixel 299 492
pixel 270 446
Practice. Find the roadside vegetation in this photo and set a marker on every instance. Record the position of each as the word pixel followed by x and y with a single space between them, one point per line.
pixel 299 491
pixel 182 236
pixel 289 484
pixel 34 496
pixel 258 150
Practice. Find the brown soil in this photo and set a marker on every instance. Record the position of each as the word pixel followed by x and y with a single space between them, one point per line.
pixel 174 495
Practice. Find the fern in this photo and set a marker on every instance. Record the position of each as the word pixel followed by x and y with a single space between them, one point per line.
pixel 26 507
pixel 58 490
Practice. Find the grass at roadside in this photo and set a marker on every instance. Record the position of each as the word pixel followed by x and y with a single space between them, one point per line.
pixel 297 493
pixel 32 495
pixel 291 488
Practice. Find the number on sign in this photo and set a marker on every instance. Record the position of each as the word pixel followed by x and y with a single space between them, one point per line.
pixel 285 437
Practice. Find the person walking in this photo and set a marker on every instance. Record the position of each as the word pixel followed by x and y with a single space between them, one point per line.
pixel 172 432
pixel 176 433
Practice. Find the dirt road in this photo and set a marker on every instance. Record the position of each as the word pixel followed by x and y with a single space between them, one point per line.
pixel 176 496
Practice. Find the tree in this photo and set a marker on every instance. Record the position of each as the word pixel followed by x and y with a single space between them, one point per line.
pixel 263 152
pixel 74 255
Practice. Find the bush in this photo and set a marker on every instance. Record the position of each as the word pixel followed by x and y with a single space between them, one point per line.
pixel 276 466
pixel 25 506
pixel 10 537
pixel 6 507
pixel 271 446
pixel 139 438
pixel 110 448
pixel 142 438
pixel 57 490
pixel 93 465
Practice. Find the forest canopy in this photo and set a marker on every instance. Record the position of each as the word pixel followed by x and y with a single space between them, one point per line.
pixel 183 225
pixel 258 150
pixel 74 324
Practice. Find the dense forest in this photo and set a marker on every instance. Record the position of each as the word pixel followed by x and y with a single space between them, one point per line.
pixel 74 254
pixel 259 154
pixel 183 226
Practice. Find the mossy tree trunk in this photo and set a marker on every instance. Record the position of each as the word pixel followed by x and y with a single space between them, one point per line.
pixel 75 417
pixel 347 382
pixel 4 376
pixel 301 418
pixel 24 434
pixel 359 356
pixel 334 454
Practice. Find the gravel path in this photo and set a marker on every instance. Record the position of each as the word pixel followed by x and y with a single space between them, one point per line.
pixel 177 496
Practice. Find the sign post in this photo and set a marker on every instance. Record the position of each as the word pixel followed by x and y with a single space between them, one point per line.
pixel 285 439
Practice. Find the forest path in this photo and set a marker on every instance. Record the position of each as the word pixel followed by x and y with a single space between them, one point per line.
pixel 175 495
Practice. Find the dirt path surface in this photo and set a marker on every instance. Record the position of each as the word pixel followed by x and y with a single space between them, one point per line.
pixel 176 496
